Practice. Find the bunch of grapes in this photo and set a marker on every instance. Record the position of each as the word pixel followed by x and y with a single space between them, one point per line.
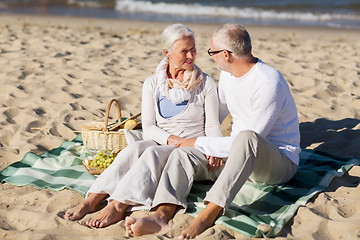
pixel 102 159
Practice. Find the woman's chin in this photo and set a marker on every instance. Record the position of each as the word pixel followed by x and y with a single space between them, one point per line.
pixel 189 66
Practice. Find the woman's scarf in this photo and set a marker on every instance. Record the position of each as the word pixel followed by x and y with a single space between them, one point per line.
pixel 174 89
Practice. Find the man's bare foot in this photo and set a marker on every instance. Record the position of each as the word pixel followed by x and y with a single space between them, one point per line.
pixel 147 225
pixel 112 213
pixel 89 205
pixel 197 227
pixel 153 223
pixel 205 220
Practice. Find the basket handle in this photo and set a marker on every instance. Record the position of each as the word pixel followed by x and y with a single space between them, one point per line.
pixel 108 112
pixel 116 126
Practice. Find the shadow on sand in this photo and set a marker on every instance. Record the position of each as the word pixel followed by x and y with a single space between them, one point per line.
pixel 340 137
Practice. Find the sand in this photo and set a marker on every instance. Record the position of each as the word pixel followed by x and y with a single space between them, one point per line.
pixel 56 73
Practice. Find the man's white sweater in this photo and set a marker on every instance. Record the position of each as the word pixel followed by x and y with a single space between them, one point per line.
pixel 260 101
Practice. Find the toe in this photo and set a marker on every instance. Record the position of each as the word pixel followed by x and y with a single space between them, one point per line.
pixel 68 215
pixel 97 223
pixel 129 221
pixel 90 223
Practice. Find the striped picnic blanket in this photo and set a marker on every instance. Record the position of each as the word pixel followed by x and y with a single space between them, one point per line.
pixel 259 210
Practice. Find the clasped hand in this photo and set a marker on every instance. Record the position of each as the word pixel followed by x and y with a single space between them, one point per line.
pixel 214 163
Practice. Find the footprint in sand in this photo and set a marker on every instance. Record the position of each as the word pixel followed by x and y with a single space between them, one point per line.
pixel 74 95
pixel 35 126
pixel 58 55
pixel 69 77
pixel 39 111
pixel 10 114
pixel 4 225
pixel 75 106
pixel 53 131
pixel 110 72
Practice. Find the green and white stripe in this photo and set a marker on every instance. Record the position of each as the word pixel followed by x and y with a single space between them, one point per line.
pixel 256 205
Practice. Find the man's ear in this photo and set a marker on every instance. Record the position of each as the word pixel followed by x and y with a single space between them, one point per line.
pixel 227 56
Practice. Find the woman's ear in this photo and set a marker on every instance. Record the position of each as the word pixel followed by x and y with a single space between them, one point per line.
pixel 166 52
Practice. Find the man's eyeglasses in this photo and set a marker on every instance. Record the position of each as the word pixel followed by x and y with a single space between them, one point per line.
pixel 215 52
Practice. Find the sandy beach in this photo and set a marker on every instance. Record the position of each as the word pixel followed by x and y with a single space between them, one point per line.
pixel 56 73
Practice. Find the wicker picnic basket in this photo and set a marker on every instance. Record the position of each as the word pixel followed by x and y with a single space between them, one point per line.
pixel 104 136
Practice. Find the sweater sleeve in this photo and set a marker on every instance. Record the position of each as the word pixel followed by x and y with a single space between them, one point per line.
pixel 214 146
pixel 150 129
pixel 212 125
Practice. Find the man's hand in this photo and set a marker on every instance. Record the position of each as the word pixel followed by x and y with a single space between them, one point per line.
pixel 188 142
pixel 174 140
pixel 214 163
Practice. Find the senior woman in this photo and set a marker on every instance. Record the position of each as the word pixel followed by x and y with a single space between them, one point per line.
pixel 179 101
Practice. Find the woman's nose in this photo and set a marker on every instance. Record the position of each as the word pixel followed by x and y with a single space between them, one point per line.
pixel 189 54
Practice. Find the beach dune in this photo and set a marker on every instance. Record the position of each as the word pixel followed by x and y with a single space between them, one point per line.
pixel 59 72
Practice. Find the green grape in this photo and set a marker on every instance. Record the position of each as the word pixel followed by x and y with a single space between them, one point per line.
pixel 103 159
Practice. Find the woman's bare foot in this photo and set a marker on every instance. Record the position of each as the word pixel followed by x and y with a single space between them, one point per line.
pixel 205 220
pixel 112 213
pixel 78 212
pixel 89 205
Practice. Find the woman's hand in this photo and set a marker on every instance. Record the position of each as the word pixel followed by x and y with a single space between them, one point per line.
pixel 214 163
pixel 187 142
pixel 175 140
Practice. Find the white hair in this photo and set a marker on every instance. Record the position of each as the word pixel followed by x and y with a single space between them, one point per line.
pixel 173 33
pixel 234 38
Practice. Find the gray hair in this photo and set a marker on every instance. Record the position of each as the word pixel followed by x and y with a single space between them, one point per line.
pixel 234 38
pixel 173 33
